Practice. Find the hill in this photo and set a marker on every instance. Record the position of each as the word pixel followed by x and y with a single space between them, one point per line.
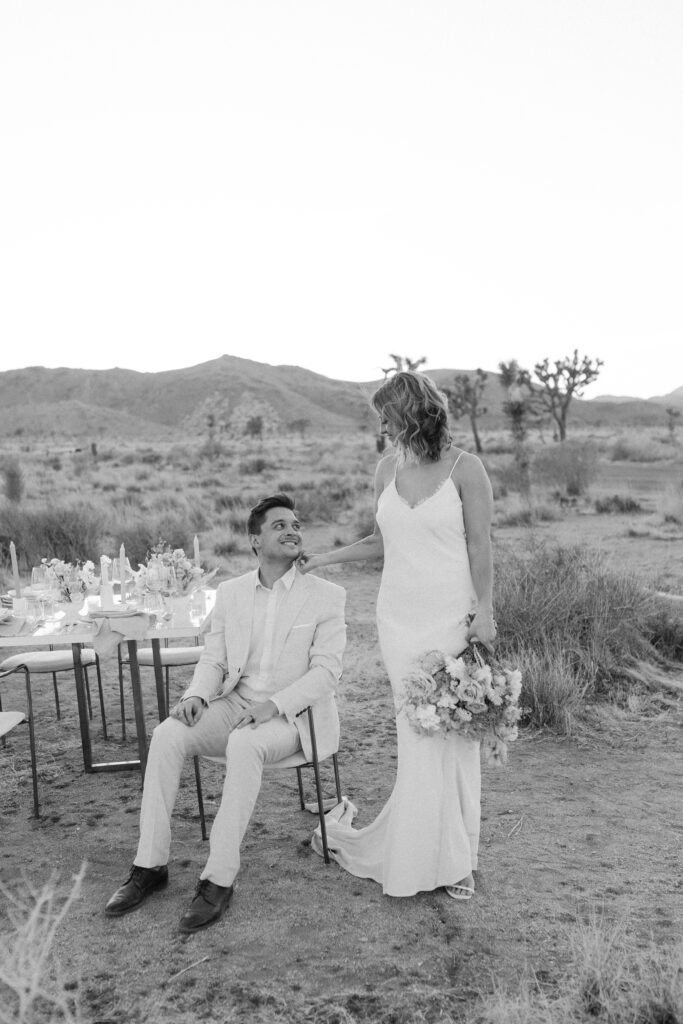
pixel 86 405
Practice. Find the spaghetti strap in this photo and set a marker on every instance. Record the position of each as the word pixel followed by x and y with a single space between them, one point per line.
pixel 456 462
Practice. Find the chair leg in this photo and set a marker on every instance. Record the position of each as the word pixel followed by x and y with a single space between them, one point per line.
pixel 302 803
pixel 54 687
pixel 200 797
pixel 168 705
pixel 318 789
pixel 101 693
pixel 32 742
pixel 121 700
pixel 87 692
pixel 337 781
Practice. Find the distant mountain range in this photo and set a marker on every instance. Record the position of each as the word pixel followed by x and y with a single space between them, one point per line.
pixel 94 405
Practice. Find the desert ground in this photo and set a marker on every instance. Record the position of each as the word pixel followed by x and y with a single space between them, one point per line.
pixel 581 830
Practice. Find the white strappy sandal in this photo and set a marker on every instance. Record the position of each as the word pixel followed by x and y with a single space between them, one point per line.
pixel 459 892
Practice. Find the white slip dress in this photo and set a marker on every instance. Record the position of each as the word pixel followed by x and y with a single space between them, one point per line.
pixel 427 834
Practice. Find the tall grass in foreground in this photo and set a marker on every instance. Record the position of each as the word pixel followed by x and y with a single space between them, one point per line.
pixel 610 979
pixel 576 629
pixel 32 987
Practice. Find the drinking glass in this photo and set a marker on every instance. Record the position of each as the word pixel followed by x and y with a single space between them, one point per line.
pixel 40 577
pixel 154 605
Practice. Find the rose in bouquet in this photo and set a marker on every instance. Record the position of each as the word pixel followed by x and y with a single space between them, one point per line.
pixel 472 694
pixel 73 579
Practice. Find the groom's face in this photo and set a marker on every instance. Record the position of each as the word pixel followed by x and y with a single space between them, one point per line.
pixel 280 536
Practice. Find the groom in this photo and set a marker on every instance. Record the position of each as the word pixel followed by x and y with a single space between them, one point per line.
pixel 275 647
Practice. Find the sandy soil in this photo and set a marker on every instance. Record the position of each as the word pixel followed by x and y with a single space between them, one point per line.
pixel 570 827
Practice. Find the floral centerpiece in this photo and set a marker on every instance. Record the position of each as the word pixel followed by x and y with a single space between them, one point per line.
pixel 73 579
pixel 472 694
pixel 180 573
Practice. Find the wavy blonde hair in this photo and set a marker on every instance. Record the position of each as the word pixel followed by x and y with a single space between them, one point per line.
pixel 419 411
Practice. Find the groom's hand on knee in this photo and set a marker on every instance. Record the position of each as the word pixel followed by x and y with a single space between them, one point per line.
pixel 188 711
pixel 256 715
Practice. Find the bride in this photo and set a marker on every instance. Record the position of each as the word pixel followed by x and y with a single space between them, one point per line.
pixel 433 505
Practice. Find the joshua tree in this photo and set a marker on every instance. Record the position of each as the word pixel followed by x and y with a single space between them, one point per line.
pixel 464 399
pixel 402 363
pixel 254 427
pixel 521 410
pixel 560 383
pixel 672 415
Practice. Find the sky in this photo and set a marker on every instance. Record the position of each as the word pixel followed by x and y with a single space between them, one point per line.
pixel 323 183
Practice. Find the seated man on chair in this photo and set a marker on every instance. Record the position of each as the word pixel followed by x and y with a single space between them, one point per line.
pixel 274 648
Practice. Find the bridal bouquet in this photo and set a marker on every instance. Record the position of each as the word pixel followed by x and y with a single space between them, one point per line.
pixel 472 694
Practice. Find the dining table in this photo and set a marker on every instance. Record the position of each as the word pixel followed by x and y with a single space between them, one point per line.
pixel 79 630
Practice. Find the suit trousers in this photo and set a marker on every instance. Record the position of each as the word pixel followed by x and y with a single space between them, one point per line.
pixel 246 750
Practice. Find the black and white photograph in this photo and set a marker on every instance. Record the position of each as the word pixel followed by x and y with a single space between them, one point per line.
pixel 341 512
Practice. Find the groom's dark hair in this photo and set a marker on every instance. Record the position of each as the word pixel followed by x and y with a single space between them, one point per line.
pixel 258 513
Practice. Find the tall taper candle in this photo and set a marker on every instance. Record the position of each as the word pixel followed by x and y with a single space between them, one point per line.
pixel 15 568
pixel 122 563
pixel 196 551
pixel 104 574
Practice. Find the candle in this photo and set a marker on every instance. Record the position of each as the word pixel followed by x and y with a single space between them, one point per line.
pixel 15 568
pixel 196 551
pixel 103 569
pixel 122 562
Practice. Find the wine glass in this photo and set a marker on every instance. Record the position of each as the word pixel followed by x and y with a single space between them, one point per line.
pixel 40 577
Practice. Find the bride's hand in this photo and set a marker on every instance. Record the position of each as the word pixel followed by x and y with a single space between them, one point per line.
pixel 305 563
pixel 483 628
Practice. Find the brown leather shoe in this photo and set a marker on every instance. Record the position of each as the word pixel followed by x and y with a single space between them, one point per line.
pixel 208 905
pixel 135 890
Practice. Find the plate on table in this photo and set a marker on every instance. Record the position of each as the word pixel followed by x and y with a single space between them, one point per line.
pixel 111 613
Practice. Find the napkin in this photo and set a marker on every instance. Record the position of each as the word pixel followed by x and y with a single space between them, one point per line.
pixel 14 627
pixel 109 633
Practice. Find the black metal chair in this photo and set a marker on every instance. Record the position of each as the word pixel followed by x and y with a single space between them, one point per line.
pixel 297 761
pixel 53 662
pixel 9 720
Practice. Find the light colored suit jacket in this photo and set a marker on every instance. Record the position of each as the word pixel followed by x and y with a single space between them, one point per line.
pixel 309 641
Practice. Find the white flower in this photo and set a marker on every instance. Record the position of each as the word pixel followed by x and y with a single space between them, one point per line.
pixel 456 667
pixel 428 718
pixel 514 683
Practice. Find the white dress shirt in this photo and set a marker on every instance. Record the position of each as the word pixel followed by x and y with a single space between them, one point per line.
pixel 256 680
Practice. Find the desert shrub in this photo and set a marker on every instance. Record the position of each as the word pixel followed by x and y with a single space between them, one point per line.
pixel 252 467
pixel 231 501
pixel 617 503
pixel 139 534
pixel 520 513
pixel 325 501
pixel 552 598
pixel 33 986
pixel 70 532
pixel 612 976
pixel 506 478
pixel 226 547
pixel 571 465
pixel 55 463
pixel 13 479
pixel 151 458
pixel 626 450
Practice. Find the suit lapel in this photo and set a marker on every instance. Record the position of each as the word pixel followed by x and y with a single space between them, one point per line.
pixel 240 616
pixel 294 602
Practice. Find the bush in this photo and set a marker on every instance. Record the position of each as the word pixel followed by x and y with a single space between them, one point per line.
pixel 252 467
pixel 559 610
pixel 612 977
pixel 571 465
pixel 13 479
pixel 615 503
pixel 69 532
pixel 625 450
